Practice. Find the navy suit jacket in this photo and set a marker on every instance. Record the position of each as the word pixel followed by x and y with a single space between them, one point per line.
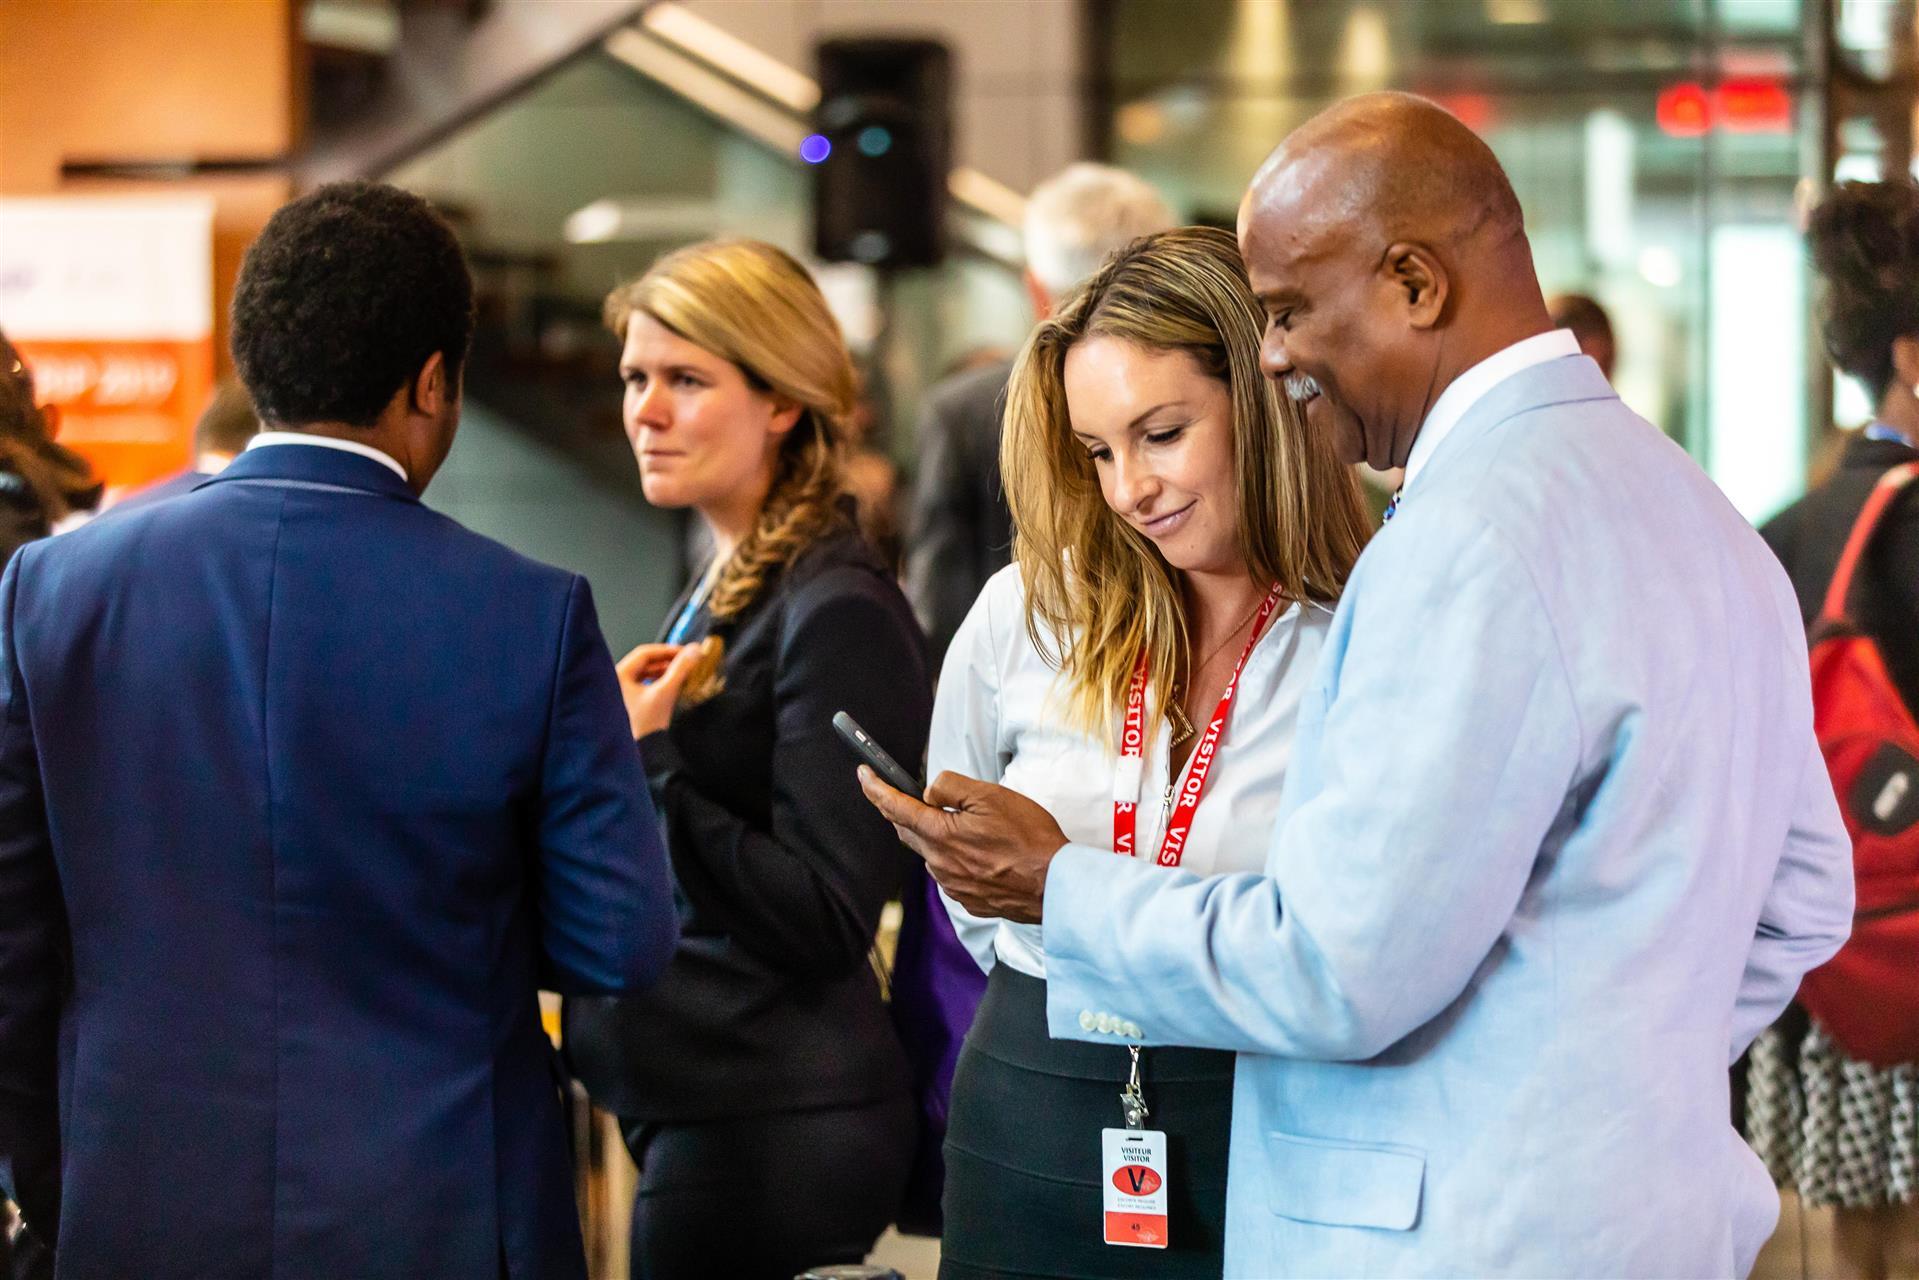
pixel 304 791
pixel 175 486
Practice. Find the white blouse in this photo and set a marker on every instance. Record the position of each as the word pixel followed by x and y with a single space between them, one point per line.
pixel 1001 716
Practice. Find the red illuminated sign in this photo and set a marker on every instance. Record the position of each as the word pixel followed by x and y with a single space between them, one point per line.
pixel 1743 105
pixel 1754 106
pixel 1685 111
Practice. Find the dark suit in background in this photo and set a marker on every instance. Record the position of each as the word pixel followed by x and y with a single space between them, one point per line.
pixel 962 532
pixel 762 1087
pixel 304 789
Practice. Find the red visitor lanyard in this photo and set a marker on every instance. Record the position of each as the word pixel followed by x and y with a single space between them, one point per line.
pixel 1179 822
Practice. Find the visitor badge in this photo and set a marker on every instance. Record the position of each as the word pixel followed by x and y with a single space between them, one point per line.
pixel 1135 1185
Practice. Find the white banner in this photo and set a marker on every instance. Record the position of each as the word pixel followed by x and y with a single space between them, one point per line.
pixel 107 267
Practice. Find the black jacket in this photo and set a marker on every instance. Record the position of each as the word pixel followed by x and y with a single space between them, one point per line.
pixel 960 531
pixel 782 867
pixel 1809 535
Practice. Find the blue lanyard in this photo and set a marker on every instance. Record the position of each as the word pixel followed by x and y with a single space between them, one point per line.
pixel 683 625
pixel 1880 431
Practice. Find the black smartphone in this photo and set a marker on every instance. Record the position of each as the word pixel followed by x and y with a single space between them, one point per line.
pixel 875 755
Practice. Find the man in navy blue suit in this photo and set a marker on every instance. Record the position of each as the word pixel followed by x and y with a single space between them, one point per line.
pixel 305 790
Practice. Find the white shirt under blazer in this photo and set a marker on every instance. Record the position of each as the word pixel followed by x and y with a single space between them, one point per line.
pixel 1002 716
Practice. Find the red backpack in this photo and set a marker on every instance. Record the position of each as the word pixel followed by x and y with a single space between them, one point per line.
pixel 1867 996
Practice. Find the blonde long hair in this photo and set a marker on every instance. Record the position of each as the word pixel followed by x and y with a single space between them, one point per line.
pixel 751 304
pixel 1098 592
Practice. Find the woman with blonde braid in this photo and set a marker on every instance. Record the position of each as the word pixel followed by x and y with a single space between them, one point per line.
pixel 760 1085
pixel 1179 540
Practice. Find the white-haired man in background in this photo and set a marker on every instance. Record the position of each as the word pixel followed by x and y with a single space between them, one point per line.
pixel 960 533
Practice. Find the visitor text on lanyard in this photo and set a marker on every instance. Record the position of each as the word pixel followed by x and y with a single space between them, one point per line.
pixel 1179 822
pixel 1134 1158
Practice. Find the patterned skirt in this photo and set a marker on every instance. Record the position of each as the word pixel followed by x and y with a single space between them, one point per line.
pixel 1843 1133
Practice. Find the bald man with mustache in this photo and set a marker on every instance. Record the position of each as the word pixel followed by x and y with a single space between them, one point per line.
pixel 1557 841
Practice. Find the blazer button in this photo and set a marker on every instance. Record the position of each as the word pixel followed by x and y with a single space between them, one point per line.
pixel 1131 1029
pixel 1085 1019
pixel 1105 1021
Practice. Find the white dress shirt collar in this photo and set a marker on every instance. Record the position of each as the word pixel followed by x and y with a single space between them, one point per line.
pixel 1472 386
pixel 267 438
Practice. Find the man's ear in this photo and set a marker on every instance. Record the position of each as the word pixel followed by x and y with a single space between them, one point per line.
pixel 1419 278
pixel 429 392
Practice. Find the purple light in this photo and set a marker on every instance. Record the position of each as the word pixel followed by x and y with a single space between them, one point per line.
pixel 815 148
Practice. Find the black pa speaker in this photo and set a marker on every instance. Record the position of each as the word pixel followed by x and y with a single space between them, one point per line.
pixel 881 151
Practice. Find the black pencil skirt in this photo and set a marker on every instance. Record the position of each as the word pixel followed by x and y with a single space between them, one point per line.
pixel 765 1197
pixel 1023 1177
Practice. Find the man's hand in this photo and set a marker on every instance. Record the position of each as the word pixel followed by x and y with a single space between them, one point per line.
pixel 988 847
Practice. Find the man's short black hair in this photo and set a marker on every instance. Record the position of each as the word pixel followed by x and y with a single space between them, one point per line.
pixel 347 292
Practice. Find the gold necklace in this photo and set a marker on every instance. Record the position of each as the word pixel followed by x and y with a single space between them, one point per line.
pixel 1182 727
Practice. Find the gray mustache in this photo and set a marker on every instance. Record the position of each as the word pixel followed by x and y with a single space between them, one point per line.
pixel 1299 387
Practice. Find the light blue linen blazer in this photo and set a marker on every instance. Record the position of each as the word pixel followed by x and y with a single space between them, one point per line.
pixel 1557 844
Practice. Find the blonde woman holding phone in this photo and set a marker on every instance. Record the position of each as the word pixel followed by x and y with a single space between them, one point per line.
pixel 1180 540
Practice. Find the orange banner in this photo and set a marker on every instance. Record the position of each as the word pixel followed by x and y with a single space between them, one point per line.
pixel 109 299
pixel 128 406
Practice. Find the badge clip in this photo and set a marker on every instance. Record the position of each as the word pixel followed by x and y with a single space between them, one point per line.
pixel 1135 1165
